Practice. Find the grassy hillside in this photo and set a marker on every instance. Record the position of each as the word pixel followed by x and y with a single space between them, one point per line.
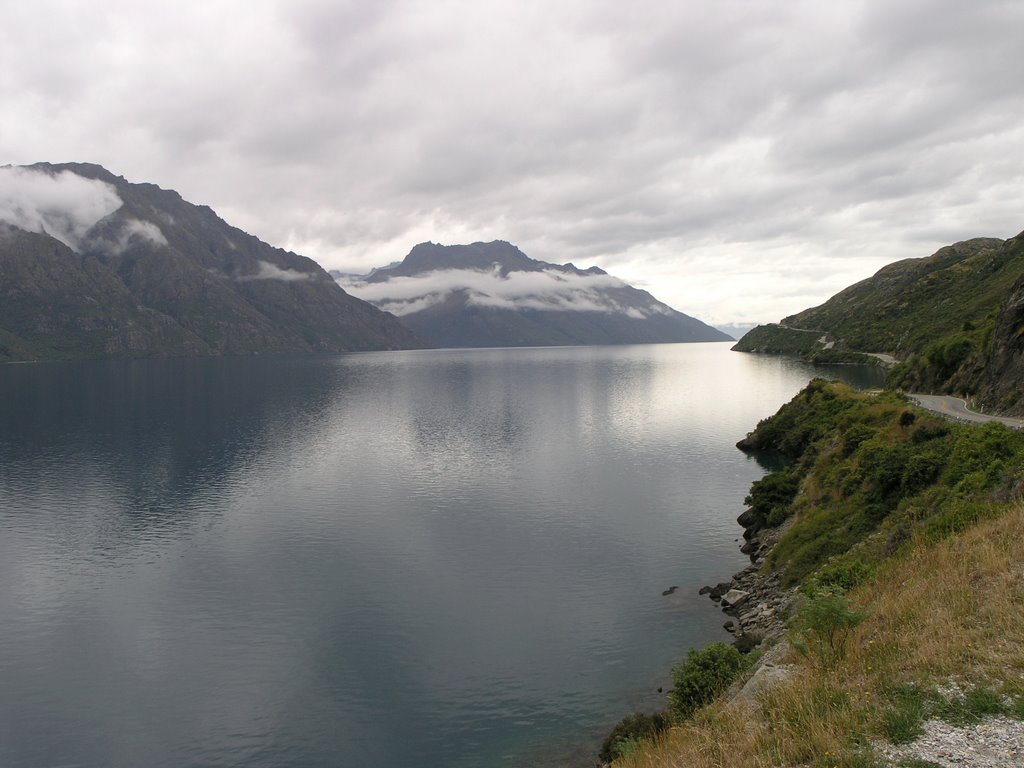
pixel 923 628
pixel 873 473
pixel 907 305
pixel 893 522
pixel 953 319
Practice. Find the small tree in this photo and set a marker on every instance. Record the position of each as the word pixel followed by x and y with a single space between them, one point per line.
pixel 823 626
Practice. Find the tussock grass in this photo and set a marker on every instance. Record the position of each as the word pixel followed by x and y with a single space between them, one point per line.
pixel 943 637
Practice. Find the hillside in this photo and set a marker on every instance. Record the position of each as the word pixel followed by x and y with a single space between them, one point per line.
pixel 887 573
pixel 954 319
pixel 92 265
pixel 494 295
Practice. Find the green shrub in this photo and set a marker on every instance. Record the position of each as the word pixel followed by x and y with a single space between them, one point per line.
pixel 929 431
pixel 702 676
pixel 822 627
pixel 947 355
pixel 854 435
pixel 959 516
pixel 629 732
pixel 920 471
pixel 1016 708
pixel 844 573
pixel 770 497
pixel 862 464
pixel 883 464
pixel 976 448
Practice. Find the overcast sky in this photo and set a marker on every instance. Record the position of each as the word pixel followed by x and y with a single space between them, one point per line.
pixel 741 160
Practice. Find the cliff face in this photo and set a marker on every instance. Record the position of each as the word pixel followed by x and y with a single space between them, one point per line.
pixel 133 269
pixel 1003 385
pixel 55 303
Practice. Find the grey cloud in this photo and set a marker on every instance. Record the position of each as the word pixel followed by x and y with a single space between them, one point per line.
pixel 268 271
pixel 63 205
pixel 545 290
pixel 131 231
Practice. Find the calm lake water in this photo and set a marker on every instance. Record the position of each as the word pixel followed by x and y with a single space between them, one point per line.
pixel 440 558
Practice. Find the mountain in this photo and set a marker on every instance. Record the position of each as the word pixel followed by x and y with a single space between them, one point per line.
pixel 494 295
pixel 954 319
pixel 92 265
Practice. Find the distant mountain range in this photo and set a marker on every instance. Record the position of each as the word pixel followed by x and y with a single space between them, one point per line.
pixel 494 295
pixel 954 320
pixel 93 266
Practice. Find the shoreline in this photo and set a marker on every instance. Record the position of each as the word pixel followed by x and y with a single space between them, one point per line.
pixel 756 602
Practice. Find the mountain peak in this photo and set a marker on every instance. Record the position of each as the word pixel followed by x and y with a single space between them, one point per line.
pixel 85 170
pixel 429 257
pixel 494 295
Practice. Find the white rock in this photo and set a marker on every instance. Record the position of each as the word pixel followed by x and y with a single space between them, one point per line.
pixel 734 597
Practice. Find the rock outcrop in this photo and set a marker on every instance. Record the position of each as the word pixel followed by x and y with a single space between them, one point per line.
pixel 756 602
pixel 1005 364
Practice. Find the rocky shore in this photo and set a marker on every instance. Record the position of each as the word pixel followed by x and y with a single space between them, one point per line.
pixel 756 602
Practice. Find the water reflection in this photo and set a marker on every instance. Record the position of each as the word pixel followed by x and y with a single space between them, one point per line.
pixel 151 435
pixel 425 558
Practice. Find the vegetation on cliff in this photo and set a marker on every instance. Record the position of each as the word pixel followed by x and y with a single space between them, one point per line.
pixel 875 472
pixel 902 532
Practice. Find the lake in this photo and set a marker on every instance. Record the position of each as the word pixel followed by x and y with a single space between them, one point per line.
pixel 430 558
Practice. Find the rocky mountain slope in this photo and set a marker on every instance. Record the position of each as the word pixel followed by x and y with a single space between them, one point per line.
pixel 1001 374
pixel 494 295
pixel 955 319
pixel 92 265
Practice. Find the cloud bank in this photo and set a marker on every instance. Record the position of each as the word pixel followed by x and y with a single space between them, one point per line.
pixel 131 232
pixel 548 289
pixel 64 205
pixel 268 271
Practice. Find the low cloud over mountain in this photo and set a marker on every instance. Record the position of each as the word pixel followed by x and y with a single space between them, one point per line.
pixel 492 294
pixel 545 289
pixel 62 205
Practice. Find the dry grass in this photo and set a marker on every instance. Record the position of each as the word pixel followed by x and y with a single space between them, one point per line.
pixel 955 609
pixel 947 611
